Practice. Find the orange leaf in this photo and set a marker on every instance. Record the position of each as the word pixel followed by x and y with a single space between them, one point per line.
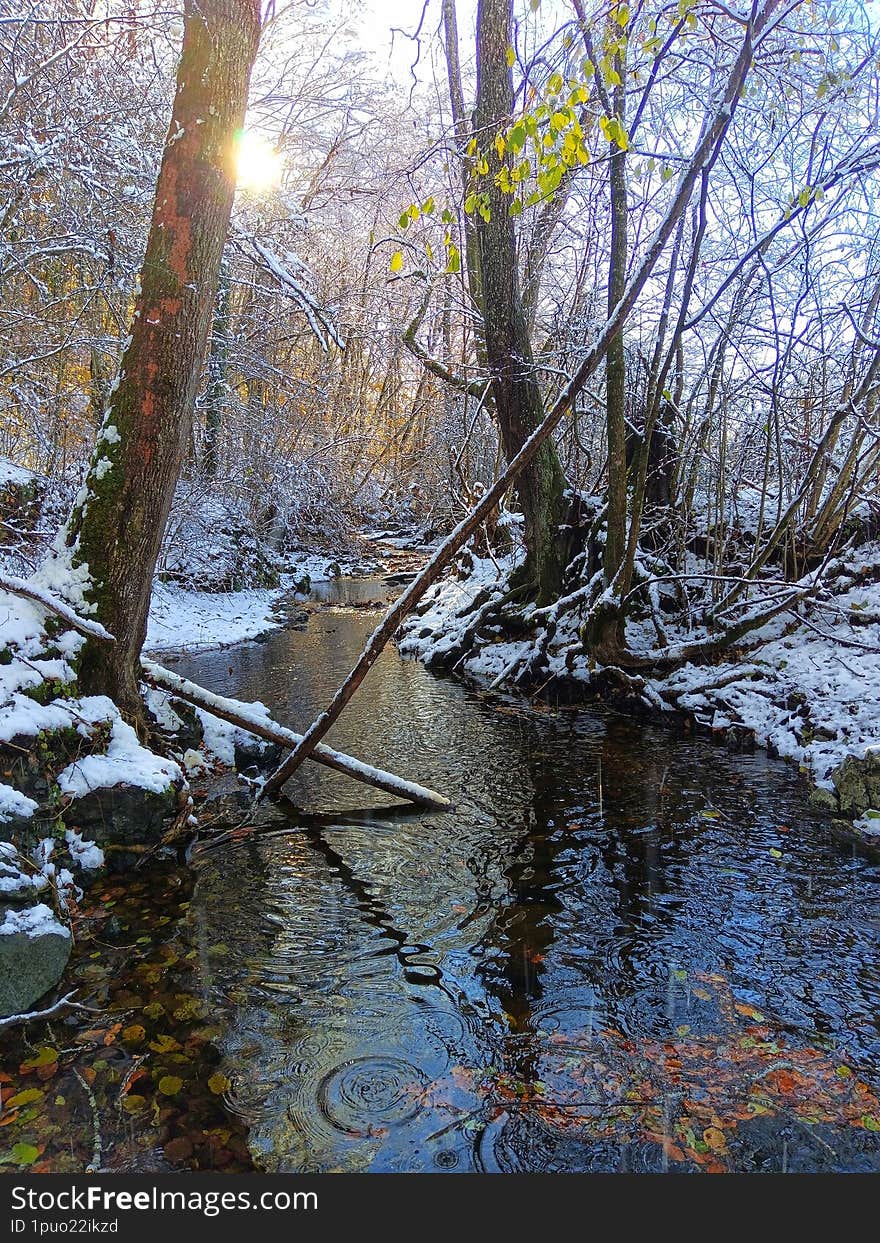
pixel 715 1139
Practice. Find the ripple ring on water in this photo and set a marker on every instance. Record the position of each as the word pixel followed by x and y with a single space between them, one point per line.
pixel 371 1092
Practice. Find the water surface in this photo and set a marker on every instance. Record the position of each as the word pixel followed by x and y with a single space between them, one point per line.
pixel 624 949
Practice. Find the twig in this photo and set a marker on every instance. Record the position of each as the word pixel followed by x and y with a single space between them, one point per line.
pixel 53 1009
pixel 94 1166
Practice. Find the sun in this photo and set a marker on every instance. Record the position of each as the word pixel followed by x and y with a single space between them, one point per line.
pixel 258 165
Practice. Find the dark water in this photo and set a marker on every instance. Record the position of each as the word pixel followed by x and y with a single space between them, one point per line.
pixel 623 949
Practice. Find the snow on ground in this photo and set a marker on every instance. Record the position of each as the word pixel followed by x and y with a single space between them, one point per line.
pixel 33 921
pixel 27 669
pixel 181 618
pixel 810 689
pixel 125 762
pixel 17 475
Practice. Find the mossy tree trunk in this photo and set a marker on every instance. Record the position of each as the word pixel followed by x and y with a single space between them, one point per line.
pixel 517 396
pixel 115 532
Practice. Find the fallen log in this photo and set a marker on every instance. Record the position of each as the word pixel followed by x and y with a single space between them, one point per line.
pixel 246 717
pixel 233 710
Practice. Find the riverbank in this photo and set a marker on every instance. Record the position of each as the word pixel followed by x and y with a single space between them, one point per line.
pixel 805 688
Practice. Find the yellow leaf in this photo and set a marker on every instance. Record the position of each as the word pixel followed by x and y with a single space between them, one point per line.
pixel 27 1097
pixel 45 1057
pixel 170 1085
pixel 396 261
pixel 218 1084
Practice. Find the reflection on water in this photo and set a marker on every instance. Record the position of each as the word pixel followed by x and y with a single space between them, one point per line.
pixel 681 972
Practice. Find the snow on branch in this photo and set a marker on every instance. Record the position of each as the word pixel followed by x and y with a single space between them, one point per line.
pixel 20 587
pixel 319 319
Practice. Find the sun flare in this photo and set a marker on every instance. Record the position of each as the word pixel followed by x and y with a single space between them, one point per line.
pixel 258 165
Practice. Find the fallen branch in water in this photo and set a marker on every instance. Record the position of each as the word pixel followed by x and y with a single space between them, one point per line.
pixel 64 1003
pixel 232 710
pixel 246 717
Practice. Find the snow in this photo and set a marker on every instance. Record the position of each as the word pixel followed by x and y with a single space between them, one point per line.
pixel 14 803
pixel 809 689
pixel 33 921
pixel 220 737
pixel 126 762
pixel 181 618
pixel 10 473
pixel 869 824
pixel 14 882
pixel 86 854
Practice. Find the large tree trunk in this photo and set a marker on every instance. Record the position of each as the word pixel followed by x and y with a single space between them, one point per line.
pixel 115 532
pixel 462 137
pixel 515 390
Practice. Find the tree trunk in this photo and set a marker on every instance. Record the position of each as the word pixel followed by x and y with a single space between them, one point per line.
pixel 515 390
pixel 462 137
pixel 115 531
pixel 615 361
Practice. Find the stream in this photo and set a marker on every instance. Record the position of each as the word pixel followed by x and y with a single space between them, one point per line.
pixel 624 949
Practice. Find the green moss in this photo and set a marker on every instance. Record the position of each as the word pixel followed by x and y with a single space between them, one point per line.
pixel 53 688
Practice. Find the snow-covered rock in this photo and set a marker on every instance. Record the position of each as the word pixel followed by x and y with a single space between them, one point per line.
pixel 34 949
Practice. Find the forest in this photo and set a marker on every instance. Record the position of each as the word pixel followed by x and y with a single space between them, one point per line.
pixel 439 586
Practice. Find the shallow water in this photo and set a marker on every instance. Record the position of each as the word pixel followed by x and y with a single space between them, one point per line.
pixel 624 949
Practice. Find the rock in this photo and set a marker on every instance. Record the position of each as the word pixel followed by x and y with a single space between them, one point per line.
pixel 857 783
pixel 255 754
pixel 826 799
pixel 34 949
pixel 122 815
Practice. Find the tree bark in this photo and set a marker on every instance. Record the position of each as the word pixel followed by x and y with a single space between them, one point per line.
pixel 517 397
pixel 115 531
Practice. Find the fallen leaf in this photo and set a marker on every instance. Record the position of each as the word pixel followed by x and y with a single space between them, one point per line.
pixel 27 1097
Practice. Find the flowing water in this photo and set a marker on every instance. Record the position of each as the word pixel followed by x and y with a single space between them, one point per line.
pixel 624 949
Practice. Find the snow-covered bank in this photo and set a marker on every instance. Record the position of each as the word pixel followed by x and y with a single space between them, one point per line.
pixel 181 617
pixel 806 686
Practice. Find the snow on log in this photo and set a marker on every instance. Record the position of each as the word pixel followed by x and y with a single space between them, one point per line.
pixel 256 720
